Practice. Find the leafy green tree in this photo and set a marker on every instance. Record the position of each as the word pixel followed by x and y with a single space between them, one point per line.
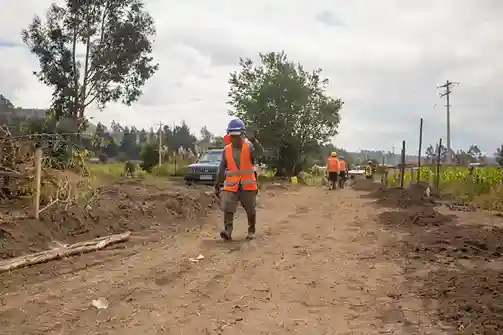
pixel 180 136
pixel 206 135
pixel 443 153
pixel 114 38
pixel 474 153
pixel 99 138
pixel 142 136
pixel 430 154
pixel 149 155
pixel 287 104
pixel 5 103
pixel 111 148
pixel 206 138
pixel 463 157
pixel 217 142
pixel 152 137
pixel 499 155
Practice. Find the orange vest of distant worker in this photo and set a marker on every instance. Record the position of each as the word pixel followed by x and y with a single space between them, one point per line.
pixel 342 166
pixel 244 175
pixel 333 164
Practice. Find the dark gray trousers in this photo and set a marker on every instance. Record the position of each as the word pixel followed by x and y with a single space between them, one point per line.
pixel 248 200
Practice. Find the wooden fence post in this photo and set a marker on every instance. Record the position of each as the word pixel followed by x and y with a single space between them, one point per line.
pixel 439 156
pixel 419 153
pixel 402 166
pixel 38 180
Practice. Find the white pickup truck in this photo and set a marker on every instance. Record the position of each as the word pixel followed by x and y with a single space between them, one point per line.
pixel 357 171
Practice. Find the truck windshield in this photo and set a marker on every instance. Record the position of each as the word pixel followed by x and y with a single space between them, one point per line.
pixel 210 157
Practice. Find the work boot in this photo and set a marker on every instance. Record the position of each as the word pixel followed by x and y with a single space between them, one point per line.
pixel 226 234
pixel 251 227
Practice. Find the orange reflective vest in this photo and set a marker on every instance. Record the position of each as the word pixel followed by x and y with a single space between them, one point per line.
pixel 333 164
pixel 342 166
pixel 244 175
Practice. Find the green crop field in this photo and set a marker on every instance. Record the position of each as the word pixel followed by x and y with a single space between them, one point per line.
pixel 459 182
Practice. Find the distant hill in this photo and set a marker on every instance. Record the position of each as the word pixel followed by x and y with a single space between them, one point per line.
pixel 9 112
pixel 391 159
pixel 381 156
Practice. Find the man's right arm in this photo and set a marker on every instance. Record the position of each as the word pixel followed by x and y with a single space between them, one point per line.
pixel 221 171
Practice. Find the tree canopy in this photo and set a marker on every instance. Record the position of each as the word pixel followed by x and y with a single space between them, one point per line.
pixel 92 51
pixel 463 157
pixel 287 104
pixel 499 155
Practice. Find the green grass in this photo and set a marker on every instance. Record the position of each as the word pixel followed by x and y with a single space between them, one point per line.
pixel 169 170
pixel 106 170
pixel 483 188
pixel 110 171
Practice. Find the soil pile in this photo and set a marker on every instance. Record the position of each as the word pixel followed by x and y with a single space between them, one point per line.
pixel 431 234
pixel 128 205
pixel 365 185
pixel 454 241
pixel 468 282
pixel 422 217
pixel 398 197
pixel 454 265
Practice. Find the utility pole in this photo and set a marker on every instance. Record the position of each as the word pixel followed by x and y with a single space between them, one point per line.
pixel 447 93
pixel 160 143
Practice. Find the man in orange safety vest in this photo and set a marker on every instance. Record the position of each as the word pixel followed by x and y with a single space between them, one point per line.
pixel 333 169
pixel 238 176
pixel 343 171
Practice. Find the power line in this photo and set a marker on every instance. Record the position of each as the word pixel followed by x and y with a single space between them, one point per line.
pixel 447 93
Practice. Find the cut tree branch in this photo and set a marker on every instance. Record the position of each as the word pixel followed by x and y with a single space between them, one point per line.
pixel 65 251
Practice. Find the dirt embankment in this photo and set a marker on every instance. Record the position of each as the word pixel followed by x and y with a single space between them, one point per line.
pixel 127 205
pixel 365 185
pixel 453 262
pixel 397 197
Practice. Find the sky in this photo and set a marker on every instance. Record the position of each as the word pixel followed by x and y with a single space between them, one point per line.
pixel 384 59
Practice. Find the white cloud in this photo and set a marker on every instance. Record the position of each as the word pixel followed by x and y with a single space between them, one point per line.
pixel 384 58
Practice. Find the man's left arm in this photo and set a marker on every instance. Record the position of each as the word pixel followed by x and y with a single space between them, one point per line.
pixel 256 149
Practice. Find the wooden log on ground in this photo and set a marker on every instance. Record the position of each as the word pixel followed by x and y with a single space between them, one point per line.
pixel 57 253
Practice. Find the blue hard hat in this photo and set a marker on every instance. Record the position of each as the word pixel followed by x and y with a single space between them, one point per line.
pixel 236 126
pixel 341 157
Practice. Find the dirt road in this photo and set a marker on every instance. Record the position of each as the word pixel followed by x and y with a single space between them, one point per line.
pixel 323 263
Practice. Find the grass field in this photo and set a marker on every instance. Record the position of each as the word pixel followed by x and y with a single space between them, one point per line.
pixel 482 187
pixel 116 170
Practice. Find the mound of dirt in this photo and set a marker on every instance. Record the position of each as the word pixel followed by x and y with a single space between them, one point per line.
pixel 129 205
pixel 455 266
pixel 470 299
pixel 432 234
pixel 460 242
pixel 365 185
pixel 423 217
pixel 403 197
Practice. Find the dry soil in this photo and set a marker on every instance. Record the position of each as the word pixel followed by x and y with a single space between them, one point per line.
pixel 324 262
